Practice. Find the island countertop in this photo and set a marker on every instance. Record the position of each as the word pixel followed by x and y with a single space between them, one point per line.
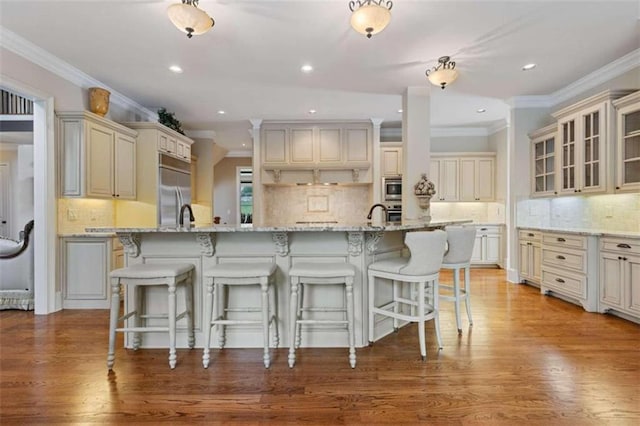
pixel 297 227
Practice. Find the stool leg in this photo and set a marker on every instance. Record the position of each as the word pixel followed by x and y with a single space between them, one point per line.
pixel 456 297
pixel 208 312
pixel 172 323
pixel 396 305
pixel 436 308
pixel 421 320
pixel 138 294
pixel 113 321
pixel 299 315
pixel 264 288
pixel 351 322
pixel 371 297
pixel 274 312
pixel 467 293
pixel 293 308
pixel 221 297
pixel 189 302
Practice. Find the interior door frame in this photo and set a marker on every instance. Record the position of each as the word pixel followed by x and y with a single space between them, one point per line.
pixel 7 195
pixel 47 296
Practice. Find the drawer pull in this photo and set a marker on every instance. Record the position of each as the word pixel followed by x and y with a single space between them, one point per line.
pixel 560 280
pixel 627 246
pixel 483 229
pixel 531 235
pixel 561 257
pixel 561 240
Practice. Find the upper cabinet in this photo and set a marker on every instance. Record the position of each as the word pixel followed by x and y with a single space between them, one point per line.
pixel 543 161
pixel 316 152
pixel 627 163
pixel 463 176
pixel 391 161
pixel 97 157
pixel 165 140
pixel 583 148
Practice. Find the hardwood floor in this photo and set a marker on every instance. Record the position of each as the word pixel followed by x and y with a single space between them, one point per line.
pixel 528 359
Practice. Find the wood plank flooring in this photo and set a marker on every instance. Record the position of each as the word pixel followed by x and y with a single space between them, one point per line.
pixel 528 359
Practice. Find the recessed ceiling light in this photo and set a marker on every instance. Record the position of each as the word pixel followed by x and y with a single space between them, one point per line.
pixel 481 110
pixel 306 68
pixel 221 112
pixel 528 67
pixel 312 111
pixel 400 111
pixel 244 144
pixel 176 69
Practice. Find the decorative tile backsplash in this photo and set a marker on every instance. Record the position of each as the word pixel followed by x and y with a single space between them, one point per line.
pixel 76 214
pixel 289 204
pixel 617 212
pixel 478 212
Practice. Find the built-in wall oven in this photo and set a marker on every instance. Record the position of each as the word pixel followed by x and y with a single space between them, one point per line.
pixel 394 212
pixel 392 189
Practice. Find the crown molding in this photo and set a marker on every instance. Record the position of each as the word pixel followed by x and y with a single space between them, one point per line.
pixel 598 77
pixel 496 127
pixel 458 131
pixel 531 101
pixel 22 47
pixel 201 134
pixel 240 153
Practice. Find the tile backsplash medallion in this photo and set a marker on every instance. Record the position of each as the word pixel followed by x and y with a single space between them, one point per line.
pixel 618 212
pixel 478 212
pixel 289 204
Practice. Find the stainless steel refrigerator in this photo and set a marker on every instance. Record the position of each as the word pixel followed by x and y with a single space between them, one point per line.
pixel 174 189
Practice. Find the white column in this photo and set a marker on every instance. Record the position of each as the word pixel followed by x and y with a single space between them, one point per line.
pixel 376 195
pixel 258 204
pixel 416 145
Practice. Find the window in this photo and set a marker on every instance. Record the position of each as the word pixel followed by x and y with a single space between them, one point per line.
pixel 245 196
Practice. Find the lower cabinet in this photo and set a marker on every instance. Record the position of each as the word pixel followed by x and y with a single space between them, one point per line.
pixel 530 255
pixel 570 268
pixel 487 248
pixel 85 263
pixel 620 276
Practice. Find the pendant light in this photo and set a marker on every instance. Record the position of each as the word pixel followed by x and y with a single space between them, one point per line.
pixel 189 19
pixel 444 73
pixel 370 16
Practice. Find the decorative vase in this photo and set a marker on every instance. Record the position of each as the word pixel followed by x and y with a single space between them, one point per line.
pixel 99 100
pixel 424 202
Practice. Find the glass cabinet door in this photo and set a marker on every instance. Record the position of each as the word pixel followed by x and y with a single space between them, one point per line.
pixel 592 140
pixel 544 165
pixel 568 156
pixel 631 148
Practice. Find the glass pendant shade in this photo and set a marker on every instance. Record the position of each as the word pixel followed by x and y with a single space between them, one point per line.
pixel 443 77
pixel 189 19
pixel 370 19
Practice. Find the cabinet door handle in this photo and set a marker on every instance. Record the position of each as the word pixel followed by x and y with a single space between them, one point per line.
pixel 561 240
pixel 624 258
pixel 617 187
pixel 560 280
pixel 627 246
pixel 561 257
pixel 531 235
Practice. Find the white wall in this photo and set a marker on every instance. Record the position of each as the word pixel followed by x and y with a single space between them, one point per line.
pixel 20 161
pixel 460 144
pixel 225 185
pixel 498 143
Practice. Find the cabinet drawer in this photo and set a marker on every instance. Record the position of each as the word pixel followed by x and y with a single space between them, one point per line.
pixel 565 282
pixel 487 230
pixel 530 235
pixel 565 240
pixel 567 258
pixel 620 245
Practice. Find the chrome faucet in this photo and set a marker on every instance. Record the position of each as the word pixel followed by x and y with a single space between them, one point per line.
pixel 181 217
pixel 377 205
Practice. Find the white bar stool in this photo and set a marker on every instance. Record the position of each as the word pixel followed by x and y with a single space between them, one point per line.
pixel 138 277
pixel 239 274
pixel 460 240
pixel 307 273
pixel 423 269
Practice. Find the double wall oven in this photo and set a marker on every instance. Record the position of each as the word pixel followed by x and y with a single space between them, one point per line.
pixel 392 196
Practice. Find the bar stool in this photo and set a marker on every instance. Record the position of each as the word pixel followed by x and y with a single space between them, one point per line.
pixel 139 277
pixel 306 273
pixel 460 240
pixel 239 274
pixel 421 268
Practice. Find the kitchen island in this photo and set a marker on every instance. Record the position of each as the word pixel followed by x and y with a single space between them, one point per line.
pixel 284 245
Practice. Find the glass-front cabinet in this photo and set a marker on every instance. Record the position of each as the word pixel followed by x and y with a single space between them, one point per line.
pixel 543 156
pixel 628 146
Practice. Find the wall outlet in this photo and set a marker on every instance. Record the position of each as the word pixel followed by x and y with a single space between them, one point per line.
pixel 94 214
pixel 608 212
pixel 72 215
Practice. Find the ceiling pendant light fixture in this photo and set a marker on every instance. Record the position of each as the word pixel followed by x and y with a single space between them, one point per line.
pixel 444 73
pixel 370 16
pixel 189 19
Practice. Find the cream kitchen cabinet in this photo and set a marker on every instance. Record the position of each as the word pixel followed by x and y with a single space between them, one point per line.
pixel 627 158
pixel 530 255
pixel 543 161
pixel 84 266
pixel 316 153
pixel 620 276
pixel 463 176
pixel 486 249
pixel 585 138
pixel 97 157
pixel 174 145
pixel 391 161
pixel 444 175
pixel 570 268
pixel 476 179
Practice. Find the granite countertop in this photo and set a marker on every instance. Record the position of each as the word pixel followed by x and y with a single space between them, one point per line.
pixel 97 234
pixel 585 231
pixel 299 227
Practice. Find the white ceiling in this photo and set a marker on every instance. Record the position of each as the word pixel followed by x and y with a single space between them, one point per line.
pixel 249 64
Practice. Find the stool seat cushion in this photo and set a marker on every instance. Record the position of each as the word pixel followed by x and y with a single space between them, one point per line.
pixel 393 265
pixel 152 270
pixel 241 270
pixel 323 270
